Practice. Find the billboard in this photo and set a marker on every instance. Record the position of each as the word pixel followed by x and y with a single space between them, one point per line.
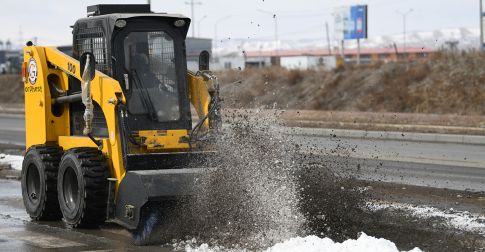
pixel 351 22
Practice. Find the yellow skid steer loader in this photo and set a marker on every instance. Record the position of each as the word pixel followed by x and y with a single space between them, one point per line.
pixel 109 128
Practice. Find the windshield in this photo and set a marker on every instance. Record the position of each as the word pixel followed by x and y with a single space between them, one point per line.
pixel 150 60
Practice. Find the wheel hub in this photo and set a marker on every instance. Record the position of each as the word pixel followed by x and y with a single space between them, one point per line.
pixel 33 183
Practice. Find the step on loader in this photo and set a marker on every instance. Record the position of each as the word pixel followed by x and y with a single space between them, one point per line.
pixel 109 131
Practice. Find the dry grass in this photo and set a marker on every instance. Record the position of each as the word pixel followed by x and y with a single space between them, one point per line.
pixel 12 89
pixel 445 84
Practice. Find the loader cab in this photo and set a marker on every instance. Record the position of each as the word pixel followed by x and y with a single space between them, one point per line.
pixel 145 53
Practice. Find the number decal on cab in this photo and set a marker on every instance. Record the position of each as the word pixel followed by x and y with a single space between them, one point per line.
pixel 71 68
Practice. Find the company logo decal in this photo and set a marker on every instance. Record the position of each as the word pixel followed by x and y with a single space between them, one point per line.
pixel 32 71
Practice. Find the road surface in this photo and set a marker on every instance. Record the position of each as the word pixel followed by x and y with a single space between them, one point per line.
pixel 18 233
pixel 434 165
pixel 12 129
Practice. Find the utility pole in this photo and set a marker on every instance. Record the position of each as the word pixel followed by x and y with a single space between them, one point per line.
pixel 275 25
pixel 192 5
pixel 481 26
pixel 216 42
pixel 343 50
pixel 404 15
pixel 328 39
pixel 358 51
pixel 149 2
pixel 198 24
pixel 276 29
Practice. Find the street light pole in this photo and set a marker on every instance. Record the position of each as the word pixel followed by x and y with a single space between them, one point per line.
pixel 198 24
pixel 215 30
pixel 481 48
pixel 275 28
pixel 192 4
pixel 404 15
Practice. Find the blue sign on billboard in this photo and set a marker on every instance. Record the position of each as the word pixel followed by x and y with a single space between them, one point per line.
pixel 356 26
pixel 351 22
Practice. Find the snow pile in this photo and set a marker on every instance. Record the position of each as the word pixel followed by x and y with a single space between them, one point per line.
pixel 315 244
pixel 461 220
pixel 14 161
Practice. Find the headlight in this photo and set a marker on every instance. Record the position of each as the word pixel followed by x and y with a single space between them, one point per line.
pixel 179 23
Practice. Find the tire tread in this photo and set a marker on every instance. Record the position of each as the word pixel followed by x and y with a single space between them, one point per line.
pixel 50 156
pixel 95 176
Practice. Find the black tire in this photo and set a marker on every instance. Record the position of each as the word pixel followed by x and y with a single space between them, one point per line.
pixel 82 184
pixel 39 182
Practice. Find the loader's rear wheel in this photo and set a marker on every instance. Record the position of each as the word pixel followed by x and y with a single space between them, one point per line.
pixel 83 187
pixel 39 182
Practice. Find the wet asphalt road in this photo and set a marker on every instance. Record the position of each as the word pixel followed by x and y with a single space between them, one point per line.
pixel 12 129
pixel 18 233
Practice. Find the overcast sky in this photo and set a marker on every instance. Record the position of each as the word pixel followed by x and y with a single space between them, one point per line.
pixel 49 20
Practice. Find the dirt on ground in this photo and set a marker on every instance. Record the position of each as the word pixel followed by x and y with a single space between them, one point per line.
pixel 445 84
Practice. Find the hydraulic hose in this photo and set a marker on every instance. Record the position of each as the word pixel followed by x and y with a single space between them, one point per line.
pixel 86 98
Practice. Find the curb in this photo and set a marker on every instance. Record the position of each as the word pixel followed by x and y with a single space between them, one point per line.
pixel 389 135
pixel 432 129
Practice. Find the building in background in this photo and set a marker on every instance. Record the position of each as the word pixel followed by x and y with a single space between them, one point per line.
pixel 10 61
pixel 229 61
pixel 317 59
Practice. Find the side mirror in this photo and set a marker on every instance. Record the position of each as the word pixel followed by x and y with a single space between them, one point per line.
pixel 204 59
pixel 88 61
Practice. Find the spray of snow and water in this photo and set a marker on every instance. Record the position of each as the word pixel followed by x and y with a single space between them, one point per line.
pixel 250 199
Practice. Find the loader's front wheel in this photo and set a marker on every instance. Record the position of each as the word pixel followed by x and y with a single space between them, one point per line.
pixel 39 182
pixel 83 187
